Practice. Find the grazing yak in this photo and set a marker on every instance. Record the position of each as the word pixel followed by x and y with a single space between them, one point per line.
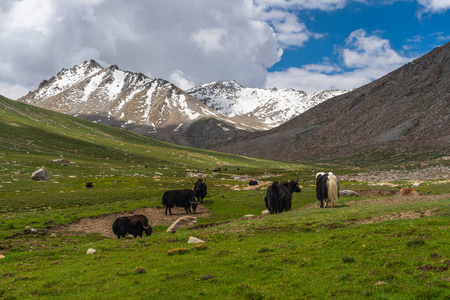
pixel 279 196
pixel 89 185
pixel 194 206
pixel 179 198
pixel 200 189
pixel 135 225
pixel 120 226
pixel 253 182
pixel 327 188
pixel 138 225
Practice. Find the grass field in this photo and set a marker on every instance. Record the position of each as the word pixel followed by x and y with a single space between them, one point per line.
pixel 367 247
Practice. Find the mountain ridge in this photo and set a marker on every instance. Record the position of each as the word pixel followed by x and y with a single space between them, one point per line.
pixel 404 113
pixel 158 108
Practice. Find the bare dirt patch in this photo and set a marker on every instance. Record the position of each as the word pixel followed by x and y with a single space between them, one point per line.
pixel 103 224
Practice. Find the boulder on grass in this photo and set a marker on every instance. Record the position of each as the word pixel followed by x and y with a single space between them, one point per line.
pixel 182 222
pixel 40 175
pixel 194 240
pixel 348 193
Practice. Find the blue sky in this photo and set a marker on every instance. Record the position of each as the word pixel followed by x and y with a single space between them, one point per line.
pixel 397 22
pixel 308 45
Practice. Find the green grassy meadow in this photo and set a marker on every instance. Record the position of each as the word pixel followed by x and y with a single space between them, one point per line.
pixel 365 248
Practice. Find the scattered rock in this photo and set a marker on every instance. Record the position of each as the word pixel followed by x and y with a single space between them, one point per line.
pixel 139 270
pixel 249 216
pixel 265 212
pixel 64 162
pixel 53 235
pixel 181 223
pixel 2 256
pixel 194 240
pixel 206 277
pixel 407 192
pixel 40 175
pixel 348 193
pixel 91 251
pixel 380 283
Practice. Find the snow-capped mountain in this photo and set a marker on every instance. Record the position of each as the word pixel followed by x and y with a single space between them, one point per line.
pixel 159 109
pixel 110 95
pixel 271 107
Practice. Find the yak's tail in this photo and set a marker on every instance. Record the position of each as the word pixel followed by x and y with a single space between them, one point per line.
pixel 333 188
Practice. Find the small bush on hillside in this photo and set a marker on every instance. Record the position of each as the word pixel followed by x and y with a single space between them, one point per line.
pixel 348 259
pixel 177 251
pixel 415 241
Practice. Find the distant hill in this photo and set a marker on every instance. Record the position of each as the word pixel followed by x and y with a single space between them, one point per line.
pixel 405 114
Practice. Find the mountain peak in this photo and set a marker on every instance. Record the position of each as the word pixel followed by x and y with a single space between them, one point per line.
pixel 271 107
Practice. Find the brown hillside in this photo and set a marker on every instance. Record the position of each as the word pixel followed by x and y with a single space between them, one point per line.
pixel 405 113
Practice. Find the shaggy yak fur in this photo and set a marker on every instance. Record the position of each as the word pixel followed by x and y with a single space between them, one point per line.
pixel 327 188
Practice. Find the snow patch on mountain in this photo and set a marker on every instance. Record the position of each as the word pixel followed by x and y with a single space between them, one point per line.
pixel 271 106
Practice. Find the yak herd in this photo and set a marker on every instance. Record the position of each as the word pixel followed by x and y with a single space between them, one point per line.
pixel 278 198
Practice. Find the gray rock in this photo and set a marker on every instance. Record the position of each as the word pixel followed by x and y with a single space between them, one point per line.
pixel 194 240
pixel 348 193
pixel 182 222
pixel 40 175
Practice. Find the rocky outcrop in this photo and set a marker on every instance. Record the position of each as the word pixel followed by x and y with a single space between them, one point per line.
pixel 40 175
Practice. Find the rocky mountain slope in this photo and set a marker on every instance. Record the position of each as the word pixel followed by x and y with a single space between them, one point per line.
pixel 159 109
pixel 403 114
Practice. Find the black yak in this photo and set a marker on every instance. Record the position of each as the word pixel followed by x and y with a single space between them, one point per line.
pixel 120 226
pixel 135 225
pixel 327 188
pixel 89 185
pixel 180 198
pixel 279 196
pixel 292 187
pixel 253 182
pixel 200 189
pixel 194 206
pixel 138 225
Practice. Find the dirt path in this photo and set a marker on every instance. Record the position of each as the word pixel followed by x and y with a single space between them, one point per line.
pixel 103 224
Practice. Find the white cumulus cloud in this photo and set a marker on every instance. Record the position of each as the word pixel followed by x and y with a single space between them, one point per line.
pixel 364 58
pixel 204 40
pixel 435 6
